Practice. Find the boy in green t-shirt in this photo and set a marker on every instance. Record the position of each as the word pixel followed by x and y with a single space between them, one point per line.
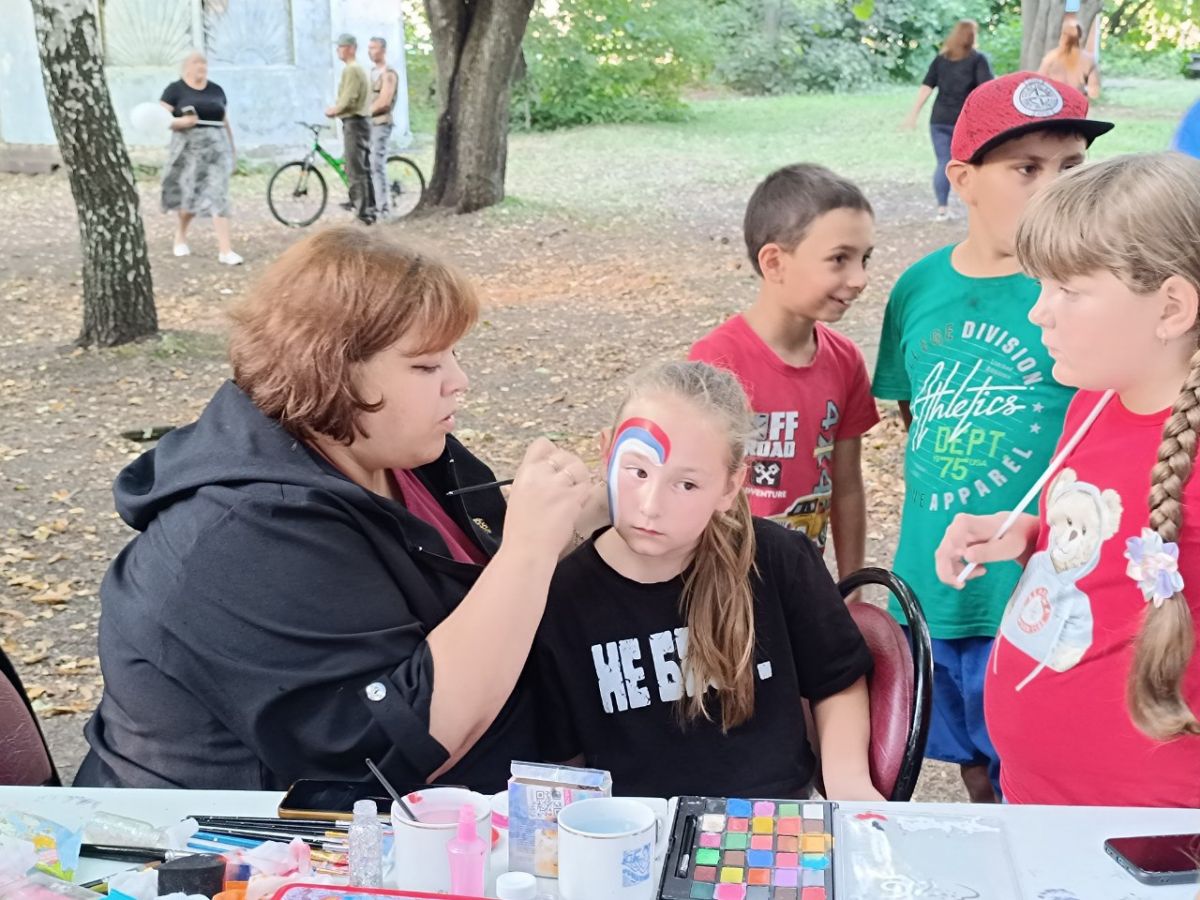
pixel 973 381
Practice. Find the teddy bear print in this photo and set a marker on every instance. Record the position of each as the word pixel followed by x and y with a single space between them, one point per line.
pixel 1048 617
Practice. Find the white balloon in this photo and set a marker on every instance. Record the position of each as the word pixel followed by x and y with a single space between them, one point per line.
pixel 150 117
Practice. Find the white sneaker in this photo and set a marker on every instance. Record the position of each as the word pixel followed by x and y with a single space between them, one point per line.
pixel 942 217
pixel 182 250
pixel 229 259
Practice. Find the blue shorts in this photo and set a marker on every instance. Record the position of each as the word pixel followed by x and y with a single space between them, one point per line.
pixel 957 731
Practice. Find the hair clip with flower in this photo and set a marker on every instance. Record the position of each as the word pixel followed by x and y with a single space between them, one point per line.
pixel 1154 565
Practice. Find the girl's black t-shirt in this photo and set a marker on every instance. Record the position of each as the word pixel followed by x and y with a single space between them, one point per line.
pixel 209 103
pixel 607 662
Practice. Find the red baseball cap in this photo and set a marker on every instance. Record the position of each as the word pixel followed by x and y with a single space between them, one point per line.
pixel 1008 107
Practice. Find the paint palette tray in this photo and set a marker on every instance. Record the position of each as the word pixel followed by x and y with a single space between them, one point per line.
pixel 741 849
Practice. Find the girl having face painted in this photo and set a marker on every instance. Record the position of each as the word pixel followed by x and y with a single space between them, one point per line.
pixel 679 643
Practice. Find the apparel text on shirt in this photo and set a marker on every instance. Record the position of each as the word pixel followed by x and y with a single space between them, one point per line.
pixel 621 679
pixel 943 397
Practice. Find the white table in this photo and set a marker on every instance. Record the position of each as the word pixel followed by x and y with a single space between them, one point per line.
pixel 1058 851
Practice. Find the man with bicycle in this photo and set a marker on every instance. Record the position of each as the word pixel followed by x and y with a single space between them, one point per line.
pixel 384 83
pixel 353 106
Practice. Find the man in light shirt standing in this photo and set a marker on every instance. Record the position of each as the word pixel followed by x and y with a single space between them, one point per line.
pixel 384 84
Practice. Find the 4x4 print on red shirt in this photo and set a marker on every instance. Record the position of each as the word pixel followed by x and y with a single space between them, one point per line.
pixel 800 413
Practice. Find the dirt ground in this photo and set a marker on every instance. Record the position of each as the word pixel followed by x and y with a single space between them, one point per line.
pixel 573 305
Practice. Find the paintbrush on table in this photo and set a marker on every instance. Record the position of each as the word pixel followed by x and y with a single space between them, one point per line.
pixel 131 854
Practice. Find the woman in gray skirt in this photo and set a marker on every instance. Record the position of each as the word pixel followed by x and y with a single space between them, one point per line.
pixel 201 156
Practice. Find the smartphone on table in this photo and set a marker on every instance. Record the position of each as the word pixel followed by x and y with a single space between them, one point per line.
pixel 1159 858
pixel 313 799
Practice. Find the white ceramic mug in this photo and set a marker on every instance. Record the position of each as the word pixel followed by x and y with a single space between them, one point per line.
pixel 419 848
pixel 606 849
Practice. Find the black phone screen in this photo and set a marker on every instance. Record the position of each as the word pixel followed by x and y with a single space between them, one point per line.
pixel 1167 853
pixel 334 796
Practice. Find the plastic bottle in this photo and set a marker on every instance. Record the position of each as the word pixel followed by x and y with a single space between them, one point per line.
pixel 366 845
pixel 468 856
pixel 516 886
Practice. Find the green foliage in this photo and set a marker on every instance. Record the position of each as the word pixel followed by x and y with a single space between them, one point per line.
pixel 786 46
pixel 1123 58
pixel 590 61
pixel 419 67
pixel 1001 43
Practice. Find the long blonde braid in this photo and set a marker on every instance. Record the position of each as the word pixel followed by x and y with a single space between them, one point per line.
pixel 1165 643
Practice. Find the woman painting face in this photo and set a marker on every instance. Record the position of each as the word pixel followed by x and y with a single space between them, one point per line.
pixel 420 393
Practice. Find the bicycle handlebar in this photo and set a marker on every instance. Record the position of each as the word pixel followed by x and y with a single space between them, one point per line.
pixel 311 127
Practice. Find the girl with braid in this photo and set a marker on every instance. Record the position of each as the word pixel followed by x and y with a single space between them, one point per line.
pixel 1092 689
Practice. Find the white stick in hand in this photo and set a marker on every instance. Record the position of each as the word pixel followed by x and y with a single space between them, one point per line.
pixel 1045 476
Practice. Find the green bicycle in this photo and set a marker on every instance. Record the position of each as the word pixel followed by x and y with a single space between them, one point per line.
pixel 297 192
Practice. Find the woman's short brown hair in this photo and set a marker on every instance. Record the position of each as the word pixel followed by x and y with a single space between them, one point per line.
pixel 328 304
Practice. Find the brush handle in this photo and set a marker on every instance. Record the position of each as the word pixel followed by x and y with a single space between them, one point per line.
pixel 479 487
pixel 1058 460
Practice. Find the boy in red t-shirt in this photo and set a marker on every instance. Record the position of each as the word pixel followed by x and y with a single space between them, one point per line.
pixel 809 234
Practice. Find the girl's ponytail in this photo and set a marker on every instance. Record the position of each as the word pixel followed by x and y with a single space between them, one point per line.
pixel 718 605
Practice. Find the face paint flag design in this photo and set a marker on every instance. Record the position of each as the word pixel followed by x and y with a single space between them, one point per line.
pixel 634 436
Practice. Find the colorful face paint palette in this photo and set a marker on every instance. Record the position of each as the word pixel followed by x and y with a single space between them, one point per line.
pixel 743 849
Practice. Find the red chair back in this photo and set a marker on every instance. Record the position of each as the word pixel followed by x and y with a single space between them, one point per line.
pixel 901 685
pixel 891 690
pixel 24 756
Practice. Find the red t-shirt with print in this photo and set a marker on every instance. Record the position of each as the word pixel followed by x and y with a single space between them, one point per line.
pixel 1055 685
pixel 800 412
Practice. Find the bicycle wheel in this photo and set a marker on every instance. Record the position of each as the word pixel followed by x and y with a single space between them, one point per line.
pixel 405 183
pixel 296 194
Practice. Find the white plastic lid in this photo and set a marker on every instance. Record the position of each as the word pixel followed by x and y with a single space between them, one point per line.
pixel 365 808
pixel 516 886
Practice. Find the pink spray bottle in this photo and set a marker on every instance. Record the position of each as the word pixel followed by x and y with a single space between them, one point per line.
pixel 468 856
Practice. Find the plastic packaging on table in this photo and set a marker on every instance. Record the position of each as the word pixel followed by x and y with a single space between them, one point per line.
pixel 55 830
pixel 122 831
pixel 141 885
pixel 899 855
pixel 40 886
pixel 327 892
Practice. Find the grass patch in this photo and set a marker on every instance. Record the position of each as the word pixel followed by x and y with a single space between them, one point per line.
pixel 641 170
pixel 174 346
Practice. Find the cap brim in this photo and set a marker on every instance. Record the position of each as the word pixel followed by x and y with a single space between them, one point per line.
pixel 1089 128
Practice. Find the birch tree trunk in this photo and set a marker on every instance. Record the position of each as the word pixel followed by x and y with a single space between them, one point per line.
pixel 118 293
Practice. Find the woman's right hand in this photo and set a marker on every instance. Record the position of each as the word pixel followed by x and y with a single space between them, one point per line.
pixel 183 123
pixel 547 494
pixel 972 539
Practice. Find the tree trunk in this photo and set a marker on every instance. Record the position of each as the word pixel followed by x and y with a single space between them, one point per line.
pixel 118 294
pixel 1041 23
pixel 475 47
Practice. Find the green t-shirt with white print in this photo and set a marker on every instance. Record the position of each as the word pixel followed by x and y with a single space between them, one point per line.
pixel 987 415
